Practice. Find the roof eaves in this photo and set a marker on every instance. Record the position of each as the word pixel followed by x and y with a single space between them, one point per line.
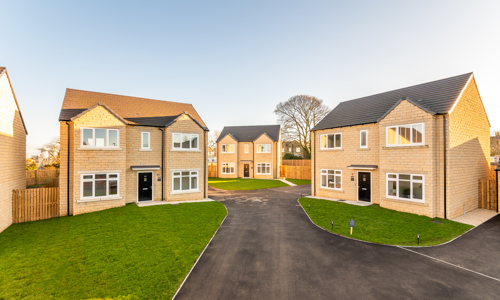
pixel 103 105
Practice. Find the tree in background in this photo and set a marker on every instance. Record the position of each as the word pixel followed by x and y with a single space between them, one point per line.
pixel 297 116
pixel 30 164
pixel 495 143
pixel 50 154
pixel 212 140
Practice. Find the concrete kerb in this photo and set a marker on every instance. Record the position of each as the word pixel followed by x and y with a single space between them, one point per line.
pixel 201 254
pixel 397 246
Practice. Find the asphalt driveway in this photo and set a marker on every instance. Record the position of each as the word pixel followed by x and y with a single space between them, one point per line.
pixel 268 249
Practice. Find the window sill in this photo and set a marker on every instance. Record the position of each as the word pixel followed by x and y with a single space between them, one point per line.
pixel 363 149
pixel 185 192
pixel 405 147
pixel 98 199
pixel 334 149
pixel 332 190
pixel 185 150
pixel 145 149
pixel 400 200
pixel 263 152
pixel 99 149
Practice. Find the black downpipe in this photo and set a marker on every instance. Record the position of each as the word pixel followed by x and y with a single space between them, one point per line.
pixel 444 149
pixel 162 162
pixel 68 166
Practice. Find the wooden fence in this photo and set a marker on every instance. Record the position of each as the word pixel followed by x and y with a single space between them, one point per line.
pixel 296 172
pixel 35 204
pixel 41 176
pixel 296 162
pixel 487 194
pixel 212 170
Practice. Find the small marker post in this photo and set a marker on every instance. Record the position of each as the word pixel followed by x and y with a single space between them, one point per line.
pixel 332 224
pixel 309 207
pixel 418 239
pixel 351 224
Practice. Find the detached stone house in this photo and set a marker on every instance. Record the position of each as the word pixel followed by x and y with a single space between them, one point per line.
pixel 294 148
pixel 419 149
pixel 249 152
pixel 12 148
pixel 119 149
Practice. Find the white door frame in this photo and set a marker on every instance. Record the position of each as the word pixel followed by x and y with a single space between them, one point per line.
pixel 357 185
pixel 152 185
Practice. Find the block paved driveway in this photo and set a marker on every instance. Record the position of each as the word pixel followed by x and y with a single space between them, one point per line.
pixel 268 249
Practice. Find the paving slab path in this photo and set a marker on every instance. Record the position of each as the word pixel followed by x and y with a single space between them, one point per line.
pixel 268 249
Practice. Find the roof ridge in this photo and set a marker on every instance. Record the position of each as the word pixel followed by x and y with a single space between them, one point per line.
pixel 407 87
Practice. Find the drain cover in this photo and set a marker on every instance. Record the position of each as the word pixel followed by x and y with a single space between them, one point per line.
pixel 437 222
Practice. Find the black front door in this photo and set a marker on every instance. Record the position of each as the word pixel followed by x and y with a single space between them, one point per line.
pixel 364 186
pixel 145 186
pixel 246 170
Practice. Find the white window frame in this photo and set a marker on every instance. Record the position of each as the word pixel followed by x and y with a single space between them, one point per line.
pixel 335 174
pixel 225 166
pixel 107 138
pixel 142 140
pixel 265 165
pixel 246 148
pixel 192 174
pixel 360 138
pixel 411 135
pixel 191 135
pixel 297 149
pixel 290 149
pixel 223 148
pixel 411 180
pixel 260 147
pixel 326 137
pixel 82 180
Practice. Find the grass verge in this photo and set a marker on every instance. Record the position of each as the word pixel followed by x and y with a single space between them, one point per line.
pixel 380 225
pixel 299 181
pixel 240 184
pixel 127 252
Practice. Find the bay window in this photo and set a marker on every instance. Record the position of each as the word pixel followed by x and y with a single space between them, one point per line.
pixel 405 135
pixel 99 185
pixel 185 141
pixel 331 141
pixel 405 186
pixel 99 138
pixel 264 168
pixel 185 181
pixel 331 179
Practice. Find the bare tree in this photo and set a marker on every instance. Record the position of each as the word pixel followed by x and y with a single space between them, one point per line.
pixel 50 152
pixel 212 140
pixel 297 116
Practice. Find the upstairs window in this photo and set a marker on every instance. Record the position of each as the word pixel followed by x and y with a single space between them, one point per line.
pixel 331 141
pixel 363 139
pixel 185 141
pixel 264 148
pixel 145 143
pixel 99 138
pixel 229 148
pixel 246 148
pixel 405 135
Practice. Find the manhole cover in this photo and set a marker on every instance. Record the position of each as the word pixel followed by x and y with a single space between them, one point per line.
pixel 437 222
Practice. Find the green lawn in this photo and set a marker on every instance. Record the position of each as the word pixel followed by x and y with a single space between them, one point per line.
pixel 126 253
pixel 299 181
pixel 381 225
pixel 240 184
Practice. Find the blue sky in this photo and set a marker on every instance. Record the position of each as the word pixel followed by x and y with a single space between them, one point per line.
pixel 234 60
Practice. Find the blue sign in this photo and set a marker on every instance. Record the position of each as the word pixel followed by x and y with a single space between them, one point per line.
pixel 351 223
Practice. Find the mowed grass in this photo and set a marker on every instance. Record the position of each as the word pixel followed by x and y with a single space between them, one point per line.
pixel 240 184
pixel 380 225
pixel 125 253
pixel 299 181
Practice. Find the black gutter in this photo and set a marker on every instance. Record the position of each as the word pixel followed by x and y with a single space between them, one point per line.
pixel 162 161
pixel 68 167
pixel 444 162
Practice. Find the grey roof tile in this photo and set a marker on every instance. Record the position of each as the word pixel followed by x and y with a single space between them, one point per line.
pixel 251 133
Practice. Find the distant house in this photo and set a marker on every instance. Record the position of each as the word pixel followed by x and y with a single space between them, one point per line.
pixel 249 152
pixel 12 148
pixel 419 149
pixel 122 149
pixel 294 148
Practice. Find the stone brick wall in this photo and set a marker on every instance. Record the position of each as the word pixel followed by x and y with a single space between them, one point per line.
pixel 266 157
pixel 349 154
pixel 194 160
pixel 13 150
pixel 246 156
pixel 137 156
pixel 469 150
pixel 227 157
